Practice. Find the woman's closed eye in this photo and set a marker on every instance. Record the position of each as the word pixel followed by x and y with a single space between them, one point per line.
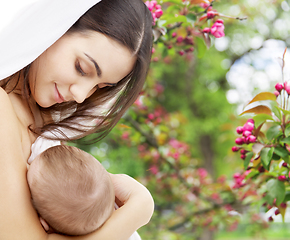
pixel 102 85
pixel 79 69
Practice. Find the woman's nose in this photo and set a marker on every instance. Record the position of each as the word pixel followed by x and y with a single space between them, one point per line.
pixel 80 92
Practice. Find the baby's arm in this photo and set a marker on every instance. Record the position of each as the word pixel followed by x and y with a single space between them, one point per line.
pixel 136 212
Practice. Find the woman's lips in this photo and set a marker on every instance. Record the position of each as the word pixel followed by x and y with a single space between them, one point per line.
pixel 58 97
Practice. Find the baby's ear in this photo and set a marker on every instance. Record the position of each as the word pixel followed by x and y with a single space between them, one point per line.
pixel 44 224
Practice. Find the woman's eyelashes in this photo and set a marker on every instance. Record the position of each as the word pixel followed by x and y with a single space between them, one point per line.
pixel 79 69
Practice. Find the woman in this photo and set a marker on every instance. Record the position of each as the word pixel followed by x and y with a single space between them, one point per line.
pixel 81 84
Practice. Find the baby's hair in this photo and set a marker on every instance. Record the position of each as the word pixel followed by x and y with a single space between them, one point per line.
pixel 71 190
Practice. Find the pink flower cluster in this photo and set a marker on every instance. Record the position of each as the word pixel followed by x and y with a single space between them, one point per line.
pixel 247 137
pixel 279 87
pixel 155 10
pixel 217 29
pixel 178 149
pixel 239 180
pixel 156 116
pixel 205 6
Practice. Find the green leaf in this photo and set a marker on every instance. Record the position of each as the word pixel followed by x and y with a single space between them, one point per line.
pixel 286 112
pixel 276 189
pixel 177 19
pixel 201 47
pixel 253 173
pixel 248 159
pixel 263 96
pixel 266 157
pixel 276 157
pixel 285 140
pixel 259 119
pixel 287 197
pixel 273 132
pixel 258 110
pixel 191 17
pixel 276 110
pixel 287 130
pixel 283 153
pixel 177 2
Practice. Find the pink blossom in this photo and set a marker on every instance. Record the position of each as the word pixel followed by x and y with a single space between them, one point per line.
pixel 158 13
pixel 243 151
pixel 235 148
pixel 159 88
pixel 248 126
pixel 251 139
pixel 158 6
pixel 239 180
pixel 251 120
pixel 174 143
pixel 125 135
pixel 202 172
pixel 154 169
pixel 283 205
pixel 285 164
pixel 287 88
pixel 154 3
pixel 237 175
pixel 181 53
pixel 247 133
pixel 175 155
pixel 204 5
pixel 217 29
pixel 149 5
pixel 240 130
pixel 150 116
pixel 276 93
pixel 141 148
pixel 206 30
pixel 282 178
pixel 174 34
pixel 239 141
pixel 279 87
pixel 211 14
pixel 179 39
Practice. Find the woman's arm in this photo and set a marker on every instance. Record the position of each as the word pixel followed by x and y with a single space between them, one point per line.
pixel 18 219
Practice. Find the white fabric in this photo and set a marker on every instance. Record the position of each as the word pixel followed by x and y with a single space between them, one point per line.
pixel 40 145
pixel 31 26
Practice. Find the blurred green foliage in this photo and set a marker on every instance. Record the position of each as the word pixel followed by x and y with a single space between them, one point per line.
pixel 197 113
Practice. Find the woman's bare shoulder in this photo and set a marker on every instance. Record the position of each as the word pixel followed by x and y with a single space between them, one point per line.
pixel 6 105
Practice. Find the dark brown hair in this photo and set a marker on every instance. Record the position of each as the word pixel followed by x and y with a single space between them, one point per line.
pixel 128 22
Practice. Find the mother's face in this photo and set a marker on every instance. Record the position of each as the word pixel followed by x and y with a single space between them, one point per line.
pixel 76 65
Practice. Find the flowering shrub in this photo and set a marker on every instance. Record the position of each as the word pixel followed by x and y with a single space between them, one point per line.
pixel 264 147
pixel 182 26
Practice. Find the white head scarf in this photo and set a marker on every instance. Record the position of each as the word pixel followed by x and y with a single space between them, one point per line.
pixel 31 26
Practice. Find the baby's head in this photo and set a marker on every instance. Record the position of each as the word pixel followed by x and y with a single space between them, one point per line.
pixel 71 190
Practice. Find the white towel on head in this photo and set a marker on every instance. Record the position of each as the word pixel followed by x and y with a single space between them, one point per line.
pixel 31 26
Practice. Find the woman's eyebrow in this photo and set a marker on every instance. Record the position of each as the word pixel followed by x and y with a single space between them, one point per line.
pixel 99 72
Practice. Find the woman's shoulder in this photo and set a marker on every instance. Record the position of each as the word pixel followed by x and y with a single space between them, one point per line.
pixel 5 102
pixel 7 111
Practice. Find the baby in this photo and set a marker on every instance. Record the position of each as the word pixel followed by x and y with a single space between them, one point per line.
pixel 70 190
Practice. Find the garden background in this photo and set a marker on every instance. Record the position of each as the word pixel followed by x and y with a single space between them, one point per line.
pixel 177 139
